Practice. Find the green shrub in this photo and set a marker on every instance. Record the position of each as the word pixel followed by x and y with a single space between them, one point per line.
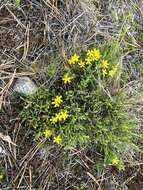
pixel 85 107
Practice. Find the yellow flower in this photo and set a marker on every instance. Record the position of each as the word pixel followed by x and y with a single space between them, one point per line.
pixel 67 79
pixel 104 67
pixel 104 71
pixel 81 64
pixel 58 116
pixel 54 120
pixel 57 101
pixel 113 72
pixel 88 61
pixel 115 161
pixel 47 133
pixel 64 115
pixel 57 140
pixel 104 64
pixel 93 55
pixel 96 54
pixel 89 54
pixel 74 59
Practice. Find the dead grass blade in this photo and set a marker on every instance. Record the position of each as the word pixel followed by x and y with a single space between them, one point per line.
pixel 7 138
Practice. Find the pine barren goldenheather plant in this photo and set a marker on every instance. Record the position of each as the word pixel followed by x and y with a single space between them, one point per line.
pixel 86 108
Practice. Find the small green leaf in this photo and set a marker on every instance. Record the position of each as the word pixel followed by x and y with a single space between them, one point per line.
pixel 17 2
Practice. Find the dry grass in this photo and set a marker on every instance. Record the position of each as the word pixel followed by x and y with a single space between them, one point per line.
pixel 29 34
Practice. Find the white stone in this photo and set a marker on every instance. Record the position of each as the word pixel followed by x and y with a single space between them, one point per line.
pixel 25 86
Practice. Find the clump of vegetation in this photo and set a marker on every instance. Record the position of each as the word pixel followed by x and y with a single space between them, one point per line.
pixel 86 107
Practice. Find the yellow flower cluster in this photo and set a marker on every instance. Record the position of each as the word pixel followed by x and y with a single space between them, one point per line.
pixel 74 59
pixel 57 101
pixel 92 56
pixel 61 116
pixel 106 69
pixel 47 133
